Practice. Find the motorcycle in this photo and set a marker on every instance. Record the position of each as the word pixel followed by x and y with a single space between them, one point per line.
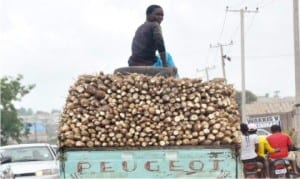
pixel 282 168
pixel 253 169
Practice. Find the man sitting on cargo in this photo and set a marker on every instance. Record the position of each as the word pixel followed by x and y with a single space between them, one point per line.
pixel 148 39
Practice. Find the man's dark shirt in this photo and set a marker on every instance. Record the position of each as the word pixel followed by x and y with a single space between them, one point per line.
pixel 148 38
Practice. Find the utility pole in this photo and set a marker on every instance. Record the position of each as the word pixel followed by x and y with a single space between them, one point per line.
pixel 223 57
pixel 297 68
pixel 206 71
pixel 242 12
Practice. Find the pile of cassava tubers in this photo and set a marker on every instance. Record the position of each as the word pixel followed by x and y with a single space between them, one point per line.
pixel 114 110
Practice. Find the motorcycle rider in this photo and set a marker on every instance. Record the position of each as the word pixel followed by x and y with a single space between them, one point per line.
pixel 263 147
pixel 249 146
pixel 279 140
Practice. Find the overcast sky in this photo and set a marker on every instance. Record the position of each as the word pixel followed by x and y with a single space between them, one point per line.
pixel 52 42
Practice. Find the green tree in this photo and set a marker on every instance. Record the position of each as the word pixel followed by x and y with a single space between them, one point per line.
pixel 25 112
pixel 250 97
pixel 12 90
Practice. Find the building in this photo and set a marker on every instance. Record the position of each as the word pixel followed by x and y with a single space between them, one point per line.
pixel 42 126
pixel 268 111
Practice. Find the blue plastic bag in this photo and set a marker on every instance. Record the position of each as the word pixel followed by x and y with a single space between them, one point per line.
pixel 169 59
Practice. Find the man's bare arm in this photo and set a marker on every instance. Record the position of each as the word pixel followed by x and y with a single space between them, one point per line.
pixel 163 58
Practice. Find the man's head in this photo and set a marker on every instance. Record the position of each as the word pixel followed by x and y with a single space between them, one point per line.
pixel 252 128
pixel 155 13
pixel 244 128
pixel 275 129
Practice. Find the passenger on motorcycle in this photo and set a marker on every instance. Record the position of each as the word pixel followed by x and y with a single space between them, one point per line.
pixel 249 146
pixel 263 147
pixel 279 140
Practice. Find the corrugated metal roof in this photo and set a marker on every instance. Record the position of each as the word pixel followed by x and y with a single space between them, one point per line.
pixel 274 105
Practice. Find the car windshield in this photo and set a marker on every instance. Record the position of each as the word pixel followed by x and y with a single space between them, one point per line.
pixel 263 132
pixel 21 154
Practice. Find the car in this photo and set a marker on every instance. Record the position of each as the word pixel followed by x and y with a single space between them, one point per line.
pixel 36 161
pixel 55 148
pixel 259 131
pixel 263 132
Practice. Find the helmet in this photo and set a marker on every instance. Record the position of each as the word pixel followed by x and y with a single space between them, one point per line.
pixel 252 127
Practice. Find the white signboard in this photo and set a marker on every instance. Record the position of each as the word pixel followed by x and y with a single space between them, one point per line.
pixel 264 122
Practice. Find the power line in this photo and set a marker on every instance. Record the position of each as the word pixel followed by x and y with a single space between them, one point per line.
pixel 251 23
pixel 239 4
pixel 215 57
pixel 266 4
pixel 232 37
pixel 207 56
pixel 242 12
pixel 223 56
pixel 266 56
pixel 206 69
pixel 223 26
pixel 235 32
pixel 271 56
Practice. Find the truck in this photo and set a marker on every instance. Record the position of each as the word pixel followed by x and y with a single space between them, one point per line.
pixel 160 161
pixel 167 162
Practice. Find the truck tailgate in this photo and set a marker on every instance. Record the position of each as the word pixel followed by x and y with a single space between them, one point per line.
pixel 151 163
